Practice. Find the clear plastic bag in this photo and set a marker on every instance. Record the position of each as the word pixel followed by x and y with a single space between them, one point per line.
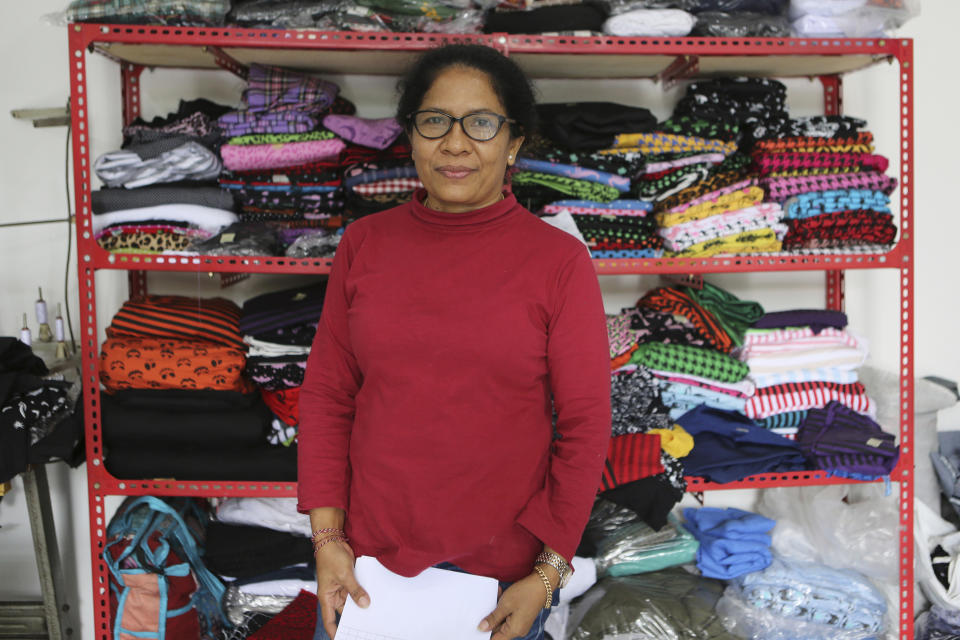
pixel 852 18
pixel 170 12
pixel 281 15
pixel 938 624
pixel 842 526
pixel 793 600
pixel 636 548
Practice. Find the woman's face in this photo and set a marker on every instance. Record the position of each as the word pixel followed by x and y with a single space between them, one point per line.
pixel 461 174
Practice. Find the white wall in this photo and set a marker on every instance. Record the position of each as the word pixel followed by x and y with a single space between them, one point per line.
pixel 32 188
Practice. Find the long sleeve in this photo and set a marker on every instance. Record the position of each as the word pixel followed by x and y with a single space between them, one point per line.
pixel 579 374
pixel 328 398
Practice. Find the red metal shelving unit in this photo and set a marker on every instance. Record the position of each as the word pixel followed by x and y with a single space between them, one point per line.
pixel 667 60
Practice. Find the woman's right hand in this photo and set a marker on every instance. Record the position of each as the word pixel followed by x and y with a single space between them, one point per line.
pixel 335 579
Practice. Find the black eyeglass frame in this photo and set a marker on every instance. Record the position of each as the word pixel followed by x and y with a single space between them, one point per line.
pixel 500 120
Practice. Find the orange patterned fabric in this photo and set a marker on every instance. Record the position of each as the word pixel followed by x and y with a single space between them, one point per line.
pixel 154 363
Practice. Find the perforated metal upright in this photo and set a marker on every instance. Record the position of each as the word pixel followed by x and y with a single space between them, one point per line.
pixel 668 60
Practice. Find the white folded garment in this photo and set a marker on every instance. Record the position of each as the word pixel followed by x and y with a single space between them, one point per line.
pixel 206 218
pixel 273 349
pixel 279 514
pixel 189 161
pixel 862 23
pixel 564 221
pixel 650 22
pixel 800 8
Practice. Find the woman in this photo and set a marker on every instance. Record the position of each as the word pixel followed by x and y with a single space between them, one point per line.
pixel 453 327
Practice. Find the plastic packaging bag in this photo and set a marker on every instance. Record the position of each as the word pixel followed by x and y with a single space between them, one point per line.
pixel 842 526
pixel 794 599
pixel 637 548
pixel 171 12
pixel 281 15
pixel 930 531
pixel 718 24
pixel 851 18
pixel 938 624
pixel 664 605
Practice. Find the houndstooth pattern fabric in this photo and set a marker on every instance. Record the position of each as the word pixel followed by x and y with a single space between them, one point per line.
pixel 781 188
pixel 683 236
pixel 813 204
pixel 731 201
pixel 699 361
pixel 769 163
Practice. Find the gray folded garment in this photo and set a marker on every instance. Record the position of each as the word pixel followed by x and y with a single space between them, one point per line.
pixel 107 200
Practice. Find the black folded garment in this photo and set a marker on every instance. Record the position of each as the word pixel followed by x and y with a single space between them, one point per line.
pixel 283 309
pixel 571 17
pixel 268 464
pixel 183 418
pixel 243 551
pixel 587 126
pixel 719 24
pixel 769 7
pixel 205 195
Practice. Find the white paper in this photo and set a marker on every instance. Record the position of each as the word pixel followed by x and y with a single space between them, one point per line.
pixel 436 605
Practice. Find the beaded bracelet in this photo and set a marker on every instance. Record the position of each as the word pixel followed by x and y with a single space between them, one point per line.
pixel 546 583
pixel 327 530
pixel 319 545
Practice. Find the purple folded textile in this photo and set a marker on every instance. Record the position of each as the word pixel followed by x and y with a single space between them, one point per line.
pixel 275 89
pixel 816 319
pixel 839 439
pixel 376 134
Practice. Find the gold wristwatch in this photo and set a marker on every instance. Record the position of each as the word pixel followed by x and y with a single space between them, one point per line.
pixel 557 562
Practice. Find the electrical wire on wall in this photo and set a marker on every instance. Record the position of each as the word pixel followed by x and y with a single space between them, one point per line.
pixel 66 269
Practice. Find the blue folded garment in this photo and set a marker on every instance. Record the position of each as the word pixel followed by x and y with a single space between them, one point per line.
pixel 733 542
pixel 728 446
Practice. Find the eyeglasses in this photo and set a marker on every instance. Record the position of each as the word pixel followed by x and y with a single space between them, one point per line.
pixel 478 126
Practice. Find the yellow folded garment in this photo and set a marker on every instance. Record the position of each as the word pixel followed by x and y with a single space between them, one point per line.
pixel 675 440
pixel 758 241
pixel 660 143
pixel 733 201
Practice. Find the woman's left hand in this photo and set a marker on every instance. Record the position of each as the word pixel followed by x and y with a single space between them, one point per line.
pixel 516 610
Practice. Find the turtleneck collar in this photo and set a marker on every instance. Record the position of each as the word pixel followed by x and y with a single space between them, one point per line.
pixel 491 213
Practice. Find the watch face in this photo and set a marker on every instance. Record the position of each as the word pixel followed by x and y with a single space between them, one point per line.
pixel 565 578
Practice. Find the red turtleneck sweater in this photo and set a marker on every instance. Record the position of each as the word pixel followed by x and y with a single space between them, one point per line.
pixel 426 408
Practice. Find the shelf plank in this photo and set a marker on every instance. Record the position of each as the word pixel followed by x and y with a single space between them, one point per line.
pixel 894 259
pixel 105 484
pixel 379 53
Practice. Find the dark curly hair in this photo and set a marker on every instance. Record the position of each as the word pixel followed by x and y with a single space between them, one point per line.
pixel 508 81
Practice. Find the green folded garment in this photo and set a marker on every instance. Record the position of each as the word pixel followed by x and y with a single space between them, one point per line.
pixel 698 361
pixel 570 186
pixel 733 314
pixel 281 138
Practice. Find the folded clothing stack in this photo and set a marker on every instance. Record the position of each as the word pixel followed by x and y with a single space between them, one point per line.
pixel 378 179
pixel 564 163
pixel 832 187
pixel 174 366
pixel 160 193
pixel 615 229
pixel 258 588
pixel 279 327
pixel 282 163
pixel 846 443
pixel 801 360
